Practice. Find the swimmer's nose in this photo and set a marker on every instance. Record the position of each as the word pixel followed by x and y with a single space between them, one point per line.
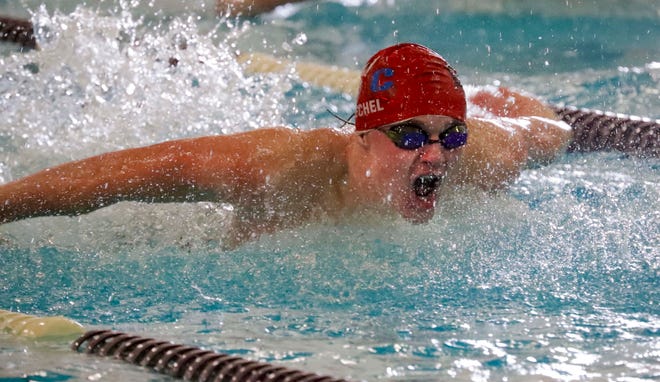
pixel 433 153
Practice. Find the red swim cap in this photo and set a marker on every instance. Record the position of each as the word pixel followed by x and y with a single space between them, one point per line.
pixel 404 81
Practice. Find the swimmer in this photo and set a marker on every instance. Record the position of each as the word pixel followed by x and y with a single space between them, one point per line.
pixel 412 144
pixel 249 7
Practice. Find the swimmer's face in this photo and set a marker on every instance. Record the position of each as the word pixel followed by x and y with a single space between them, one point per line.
pixel 406 173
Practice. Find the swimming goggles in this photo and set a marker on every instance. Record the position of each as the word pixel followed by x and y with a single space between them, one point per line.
pixel 411 136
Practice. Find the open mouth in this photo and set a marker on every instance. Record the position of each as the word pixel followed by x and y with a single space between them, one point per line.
pixel 424 185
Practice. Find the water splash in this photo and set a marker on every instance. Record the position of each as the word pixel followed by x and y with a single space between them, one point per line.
pixel 555 280
pixel 101 83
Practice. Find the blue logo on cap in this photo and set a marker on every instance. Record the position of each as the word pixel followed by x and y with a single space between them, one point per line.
pixel 375 80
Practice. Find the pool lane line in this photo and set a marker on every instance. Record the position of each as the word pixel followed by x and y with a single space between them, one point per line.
pixel 38 328
pixel 593 130
pixel 164 357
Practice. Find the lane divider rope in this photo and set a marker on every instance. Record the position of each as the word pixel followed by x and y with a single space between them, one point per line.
pixel 17 31
pixel 187 362
pixel 164 357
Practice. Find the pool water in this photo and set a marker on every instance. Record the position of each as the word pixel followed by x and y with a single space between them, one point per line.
pixel 556 279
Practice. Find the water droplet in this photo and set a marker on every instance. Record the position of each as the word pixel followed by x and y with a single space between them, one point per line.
pixel 300 39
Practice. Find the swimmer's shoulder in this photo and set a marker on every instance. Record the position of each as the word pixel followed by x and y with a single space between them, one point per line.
pixel 280 147
pixel 304 142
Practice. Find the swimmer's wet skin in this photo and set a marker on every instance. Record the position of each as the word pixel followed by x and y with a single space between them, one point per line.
pixel 412 140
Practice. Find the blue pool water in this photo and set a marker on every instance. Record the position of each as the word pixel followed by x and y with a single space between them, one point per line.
pixel 555 279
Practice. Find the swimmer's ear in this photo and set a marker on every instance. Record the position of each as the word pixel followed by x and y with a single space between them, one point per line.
pixel 363 139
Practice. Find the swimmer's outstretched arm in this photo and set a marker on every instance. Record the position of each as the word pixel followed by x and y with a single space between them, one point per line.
pixel 510 133
pixel 544 135
pixel 242 169
pixel 155 173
